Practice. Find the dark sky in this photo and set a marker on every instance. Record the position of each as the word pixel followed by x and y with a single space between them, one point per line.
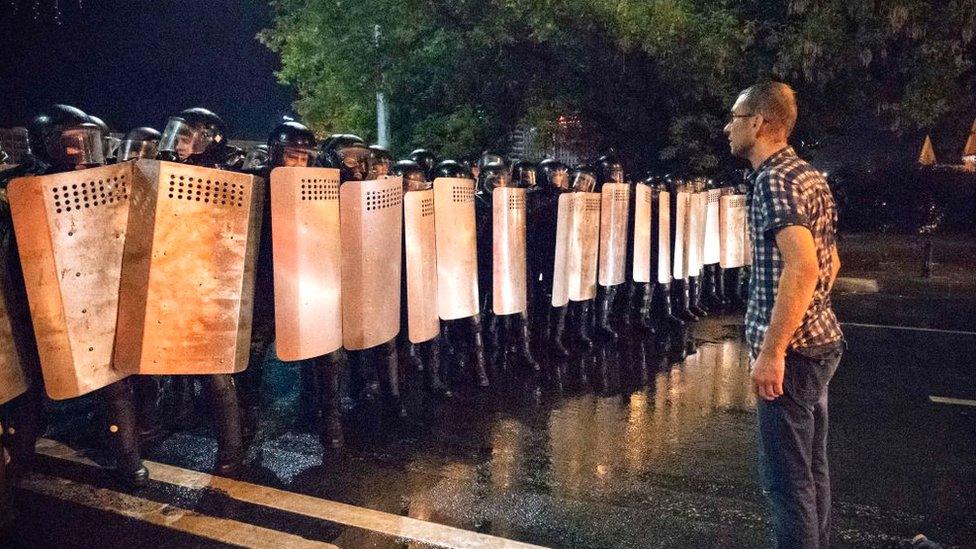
pixel 137 62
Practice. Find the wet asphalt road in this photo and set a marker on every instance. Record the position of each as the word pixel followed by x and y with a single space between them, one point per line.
pixel 624 448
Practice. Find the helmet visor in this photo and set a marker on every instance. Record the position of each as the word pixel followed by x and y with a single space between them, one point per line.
pixel 494 179
pixel 132 150
pixel 559 178
pixel 183 139
pixel 298 157
pixel 379 167
pixel 80 146
pixel 354 163
pixel 526 179
pixel 583 182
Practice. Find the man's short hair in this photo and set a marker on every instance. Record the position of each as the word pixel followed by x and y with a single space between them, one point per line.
pixel 775 101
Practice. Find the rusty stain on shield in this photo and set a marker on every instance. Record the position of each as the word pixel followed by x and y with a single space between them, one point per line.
pixel 419 237
pixel 457 248
pixel 710 255
pixel 307 261
pixel 732 228
pixel 614 209
pixel 71 229
pixel 561 271
pixel 642 234
pixel 371 218
pixel 584 248
pixel 664 238
pixel 188 274
pixel 508 251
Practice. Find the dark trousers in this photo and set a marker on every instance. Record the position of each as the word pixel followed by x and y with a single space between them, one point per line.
pixel 793 449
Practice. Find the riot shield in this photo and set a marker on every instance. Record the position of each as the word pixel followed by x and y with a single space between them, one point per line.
pixel 584 246
pixel 421 265
pixel 307 261
pixel 457 248
pixel 681 241
pixel 642 234
pixel 614 209
pixel 710 255
pixel 732 229
pixel 12 380
pixel 187 288
pixel 372 223
pixel 509 277
pixel 560 269
pixel 71 230
pixel 697 203
pixel 664 238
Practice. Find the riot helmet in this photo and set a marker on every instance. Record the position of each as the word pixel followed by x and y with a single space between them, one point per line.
pixel 552 174
pixel 494 174
pixel 110 145
pixel 582 179
pixel 291 144
pixel 490 157
pixel 67 139
pixel 450 168
pixel 380 162
pixel 139 143
pixel 425 159
pixel 414 178
pixel 256 158
pixel 190 135
pixel 349 154
pixel 609 170
pixel 523 174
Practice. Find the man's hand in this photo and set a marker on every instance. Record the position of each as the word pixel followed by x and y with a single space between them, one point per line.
pixel 767 375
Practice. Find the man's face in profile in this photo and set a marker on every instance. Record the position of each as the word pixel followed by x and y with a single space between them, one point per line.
pixel 741 129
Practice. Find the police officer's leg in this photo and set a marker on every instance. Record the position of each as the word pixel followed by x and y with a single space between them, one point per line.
pixel 121 432
pixel 227 422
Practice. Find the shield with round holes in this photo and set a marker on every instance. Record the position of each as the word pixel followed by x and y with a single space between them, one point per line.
pixel 307 261
pixel 733 230
pixel 695 232
pixel 457 248
pixel 584 246
pixel 682 201
pixel 561 271
pixel 710 256
pixel 663 240
pixel 71 231
pixel 509 277
pixel 643 197
pixel 420 251
pixel 614 209
pixel 371 218
pixel 187 287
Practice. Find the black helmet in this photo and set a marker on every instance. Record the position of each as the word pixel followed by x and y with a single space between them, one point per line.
pixel 191 136
pixel 414 178
pixel 552 174
pixel 139 143
pixel 64 137
pixel 450 168
pixel 609 170
pixel 425 159
pixel 491 157
pixel 523 174
pixel 494 174
pixel 291 144
pixel 110 145
pixel 582 179
pixel 380 161
pixel 349 154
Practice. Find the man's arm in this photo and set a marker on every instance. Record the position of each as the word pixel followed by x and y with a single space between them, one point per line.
pixel 795 292
pixel 834 267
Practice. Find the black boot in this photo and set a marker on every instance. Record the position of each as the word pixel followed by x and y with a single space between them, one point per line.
pixel 604 307
pixel 328 373
pixel 518 326
pixel 22 426
pixel 433 370
pixel 581 327
pixel 248 384
pixel 694 296
pixel 121 433
pixel 149 400
pixel 745 277
pixel 645 307
pixel 387 365
pixel 410 353
pixel 681 301
pixel 477 352
pixel 227 423
pixel 709 291
pixel 720 291
pixel 555 333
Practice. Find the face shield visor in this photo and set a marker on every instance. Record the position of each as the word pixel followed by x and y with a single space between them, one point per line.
pixel 134 150
pixel 183 139
pixel 379 167
pixel 298 157
pixel 111 146
pixel 526 179
pixel 583 182
pixel 79 146
pixel 353 163
pixel 493 179
pixel 559 178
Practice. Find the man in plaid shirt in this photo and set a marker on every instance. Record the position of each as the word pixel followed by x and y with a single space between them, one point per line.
pixel 793 335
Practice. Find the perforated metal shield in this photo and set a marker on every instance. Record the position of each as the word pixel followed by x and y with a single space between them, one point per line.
pixel 681 224
pixel 712 238
pixel 457 248
pixel 307 261
pixel 187 288
pixel 614 209
pixel 508 251
pixel 71 230
pixel 732 228
pixel 372 222
pixel 561 271
pixel 664 238
pixel 12 380
pixel 584 246
pixel 643 197
pixel 419 240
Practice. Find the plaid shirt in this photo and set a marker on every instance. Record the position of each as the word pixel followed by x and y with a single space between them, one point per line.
pixel 785 190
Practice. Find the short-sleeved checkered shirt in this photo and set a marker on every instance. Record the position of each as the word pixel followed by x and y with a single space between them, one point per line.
pixel 785 190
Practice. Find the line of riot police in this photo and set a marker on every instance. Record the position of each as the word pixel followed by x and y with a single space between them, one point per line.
pixel 168 263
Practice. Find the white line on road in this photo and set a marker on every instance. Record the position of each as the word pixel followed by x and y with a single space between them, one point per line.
pixel 951 400
pixel 908 328
pixel 161 514
pixel 309 506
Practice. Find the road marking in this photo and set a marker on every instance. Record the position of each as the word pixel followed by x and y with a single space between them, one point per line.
pixel 950 400
pixel 161 514
pixel 908 328
pixel 309 506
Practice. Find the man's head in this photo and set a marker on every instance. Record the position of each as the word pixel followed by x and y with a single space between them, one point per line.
pixel 763 115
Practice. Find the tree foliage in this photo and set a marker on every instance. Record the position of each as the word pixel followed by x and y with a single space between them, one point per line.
pixel 652 78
